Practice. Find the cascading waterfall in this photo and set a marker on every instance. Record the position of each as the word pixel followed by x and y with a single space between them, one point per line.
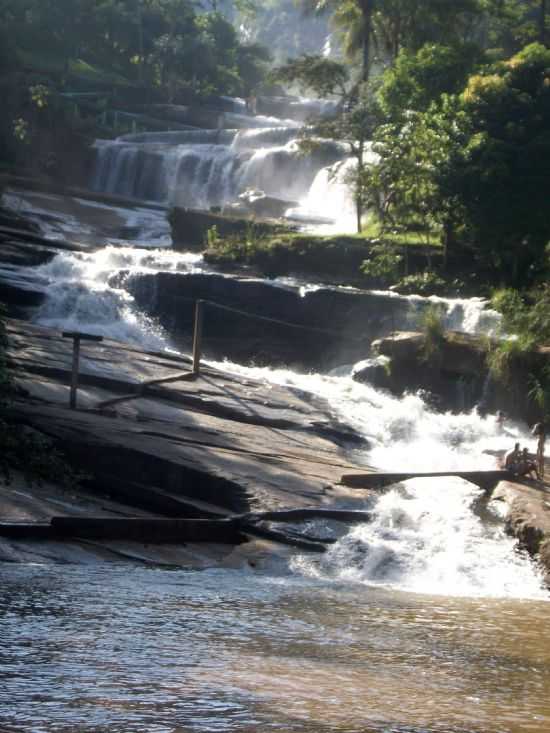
pixel 86 292
pixel 198 168
pixel 424 537
pixel 205 174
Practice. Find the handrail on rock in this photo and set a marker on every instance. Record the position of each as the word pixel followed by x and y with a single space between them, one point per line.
pixel 77 337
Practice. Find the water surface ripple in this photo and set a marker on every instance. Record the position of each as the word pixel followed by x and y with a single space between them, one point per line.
pixel 117 649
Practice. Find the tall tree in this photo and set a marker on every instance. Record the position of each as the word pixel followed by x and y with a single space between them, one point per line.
pixel 379 29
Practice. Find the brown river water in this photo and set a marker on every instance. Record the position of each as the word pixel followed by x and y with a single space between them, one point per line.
pixel 119 649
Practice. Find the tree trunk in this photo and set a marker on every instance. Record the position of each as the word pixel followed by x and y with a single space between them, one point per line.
pixel 359 198
pixel 366 8
pixel 359 214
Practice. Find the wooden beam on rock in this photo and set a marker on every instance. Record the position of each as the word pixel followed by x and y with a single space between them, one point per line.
pixel 486 480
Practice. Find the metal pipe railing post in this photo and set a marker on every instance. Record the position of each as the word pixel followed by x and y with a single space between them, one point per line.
pixel 197 336
pixel 74 373
pixel 77 337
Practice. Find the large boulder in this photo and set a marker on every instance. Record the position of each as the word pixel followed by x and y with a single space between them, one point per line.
pixel 456 371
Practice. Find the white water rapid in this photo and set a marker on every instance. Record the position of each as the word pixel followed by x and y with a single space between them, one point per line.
pixel 87 292
pixel 425 537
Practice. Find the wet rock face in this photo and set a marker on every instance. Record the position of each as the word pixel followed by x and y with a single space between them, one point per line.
pixel 528 519
pixel 451 373
pixel 319 329
pixel 456 373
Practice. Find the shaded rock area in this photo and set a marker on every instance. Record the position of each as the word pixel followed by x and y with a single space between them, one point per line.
pixel 156 443
pixel 528 517
pixel 317 329
pixel 53 187
pixel 455 372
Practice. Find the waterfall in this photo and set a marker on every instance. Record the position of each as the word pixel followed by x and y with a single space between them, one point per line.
pixel 202 168
pixel 425 536
pixel 87 292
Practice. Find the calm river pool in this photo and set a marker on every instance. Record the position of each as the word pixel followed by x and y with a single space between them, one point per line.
pixel 125 649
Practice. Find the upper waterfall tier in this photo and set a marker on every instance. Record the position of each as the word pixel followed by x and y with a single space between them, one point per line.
pixel 206 167
pixel 204 174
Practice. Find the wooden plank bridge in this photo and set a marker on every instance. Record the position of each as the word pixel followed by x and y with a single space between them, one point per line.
pixel 486 480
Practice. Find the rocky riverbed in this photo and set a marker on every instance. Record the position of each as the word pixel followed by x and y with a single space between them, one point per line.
pixel 153 439
pixel 157 442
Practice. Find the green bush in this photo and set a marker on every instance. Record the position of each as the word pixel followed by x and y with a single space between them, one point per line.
pixel 527 315
pixel 384 263
pixel 434 332
pixel 505 357
pixel 424 283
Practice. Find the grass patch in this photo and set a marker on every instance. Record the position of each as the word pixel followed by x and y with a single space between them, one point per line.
pixel 333 258
pixel 411 236
pixel 434 333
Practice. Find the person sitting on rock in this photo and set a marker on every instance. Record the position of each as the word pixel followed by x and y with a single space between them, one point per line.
pixel 512 459
pixel 526 465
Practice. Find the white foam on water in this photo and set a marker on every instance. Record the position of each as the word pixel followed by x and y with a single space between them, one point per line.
pixel 470 315
pixel 87 292
pixel 330 201
pixel 425 536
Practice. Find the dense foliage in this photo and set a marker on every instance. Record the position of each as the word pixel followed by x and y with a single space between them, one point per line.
pixel 163 43
pixel 66 64
pixel 475 165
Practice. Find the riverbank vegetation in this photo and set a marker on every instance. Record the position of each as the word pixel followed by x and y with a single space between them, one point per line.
pixel 526 321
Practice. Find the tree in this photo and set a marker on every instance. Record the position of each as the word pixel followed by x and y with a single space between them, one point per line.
pixel 322 75
pixel 377 30
pixel 501 173
pixel 353 124
pixel 474 166
pixel 419 78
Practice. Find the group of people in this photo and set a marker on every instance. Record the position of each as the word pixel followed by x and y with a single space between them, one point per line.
pixel 519 461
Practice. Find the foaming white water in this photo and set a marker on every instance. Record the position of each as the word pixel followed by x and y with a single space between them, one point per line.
pixel 403 433
pixel 425 536
pixel 330 198
pixel 86 292
pixel 469 315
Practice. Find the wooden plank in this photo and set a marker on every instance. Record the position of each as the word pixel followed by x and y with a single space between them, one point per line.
pixel 27 530
pixel 485 479
pixel 173 531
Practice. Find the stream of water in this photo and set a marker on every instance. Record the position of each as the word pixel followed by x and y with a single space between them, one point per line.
pixel 429 619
